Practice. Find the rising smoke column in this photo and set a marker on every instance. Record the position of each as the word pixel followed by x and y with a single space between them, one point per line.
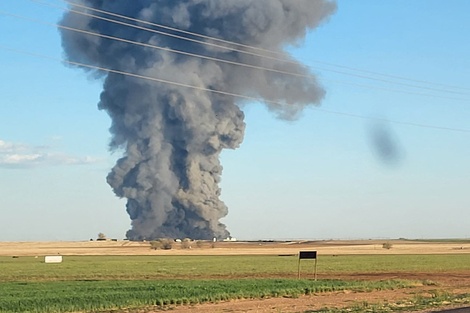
pixel 172 136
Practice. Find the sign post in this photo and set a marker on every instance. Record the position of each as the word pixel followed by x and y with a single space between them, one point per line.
pixel 308 255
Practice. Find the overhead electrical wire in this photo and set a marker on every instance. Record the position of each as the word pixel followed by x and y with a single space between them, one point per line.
pixel 226 93
pixel 394 76
pixel 214 59
pixel 155 46
pixel 168 27
pixel 283 59
pixel 282 55
pixel 221 60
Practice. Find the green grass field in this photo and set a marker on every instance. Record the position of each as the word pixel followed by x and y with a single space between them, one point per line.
pixel 197 267
pixel 99 283
pixel 68 296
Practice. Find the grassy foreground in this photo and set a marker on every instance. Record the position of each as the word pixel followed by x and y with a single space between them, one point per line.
pixel 63 296
pixel 226 267
pixel 101 283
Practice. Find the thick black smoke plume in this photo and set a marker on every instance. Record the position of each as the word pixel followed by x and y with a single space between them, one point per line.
pixel 172 135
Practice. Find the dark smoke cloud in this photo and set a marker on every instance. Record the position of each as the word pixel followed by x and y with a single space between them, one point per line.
pixel 385 144
pixel 172 136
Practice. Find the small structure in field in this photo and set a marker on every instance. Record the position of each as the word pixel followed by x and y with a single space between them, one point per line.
pixel 53 259
pixel 233 239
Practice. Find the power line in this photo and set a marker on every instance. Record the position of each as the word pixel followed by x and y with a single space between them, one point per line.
pixel 394 90
pixel 161 32
pixel 226 93
pixel 156 47
pixel 222 60
pixel 171 28
pixel 391 76
pixel 395 121
pixel 94 67
pixel 159 25
pixel 246 46
pixel 282 55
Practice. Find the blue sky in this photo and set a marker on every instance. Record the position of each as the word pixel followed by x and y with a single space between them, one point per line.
pixel 318 177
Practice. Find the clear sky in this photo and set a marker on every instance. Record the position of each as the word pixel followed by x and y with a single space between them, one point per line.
pixel 322 176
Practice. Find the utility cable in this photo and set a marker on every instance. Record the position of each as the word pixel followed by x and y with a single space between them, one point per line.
pixel 155 46
pixel 280 54
pixel 226 93
pixel 217 59
pixel 242 51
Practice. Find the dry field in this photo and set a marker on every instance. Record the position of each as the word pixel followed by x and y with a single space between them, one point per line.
pixel 367 247
pixel 453 283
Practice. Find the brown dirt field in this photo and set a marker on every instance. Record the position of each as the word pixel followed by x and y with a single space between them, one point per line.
pixel 232 248
pixel 452 283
